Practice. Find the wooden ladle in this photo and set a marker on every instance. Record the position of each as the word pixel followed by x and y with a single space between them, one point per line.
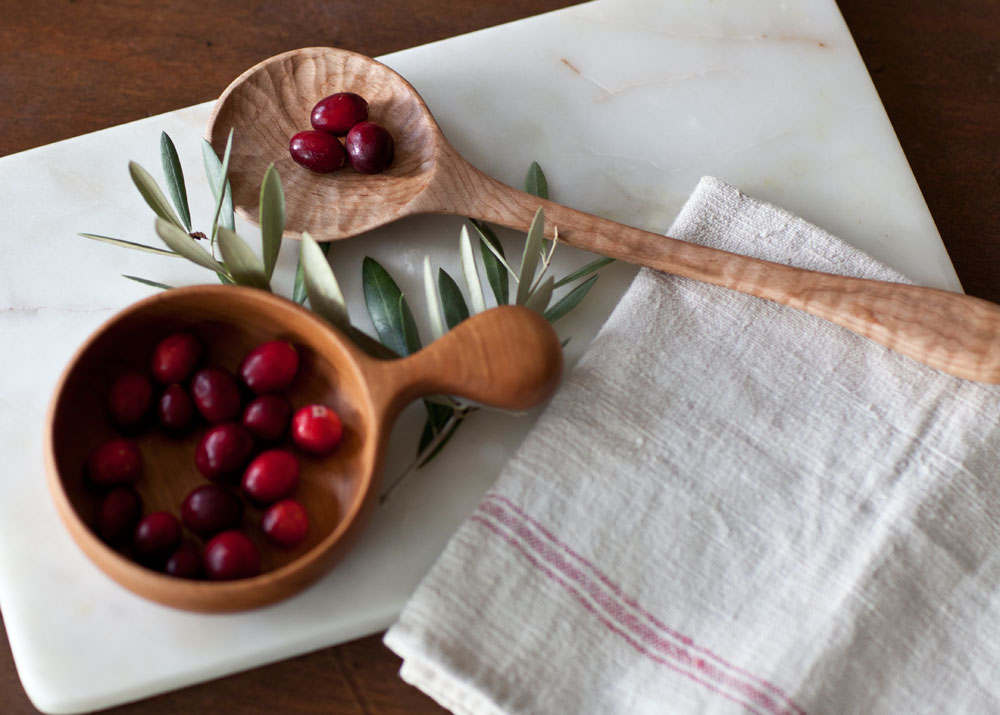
pixel 507 357
pixel 271 101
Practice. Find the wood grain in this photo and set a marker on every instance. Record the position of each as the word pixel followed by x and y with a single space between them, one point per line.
pixel 74 67
pixel 481 359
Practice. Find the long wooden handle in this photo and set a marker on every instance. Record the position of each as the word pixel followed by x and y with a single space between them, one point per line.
pixel 952 332
pixel 507 357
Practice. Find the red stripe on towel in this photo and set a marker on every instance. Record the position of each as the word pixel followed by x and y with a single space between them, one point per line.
pixel 579 597
pixel 619 613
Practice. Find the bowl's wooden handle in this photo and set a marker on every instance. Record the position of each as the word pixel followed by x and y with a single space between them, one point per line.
pixel 507 357
pixel 952 332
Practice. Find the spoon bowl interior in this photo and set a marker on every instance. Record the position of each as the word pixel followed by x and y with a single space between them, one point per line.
pixel 273 100
pixel 337 490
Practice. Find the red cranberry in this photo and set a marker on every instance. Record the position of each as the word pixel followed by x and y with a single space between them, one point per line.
pixel 175 357
pixel 176 410
pixel 185 562
pixel 267 417
pixel 216 394
pixel 271 475
pixel 223 451
pixel 156 536
pixel 370 147
pixel 211 508
pixel 118 514
pixel 231 555
pixel 285 523
pixel 115 462
pixel 339 112
pixel 270 367
pixel 317 429
pixel 317 151
pixel 130 398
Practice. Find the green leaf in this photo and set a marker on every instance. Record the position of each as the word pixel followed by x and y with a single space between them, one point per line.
pixel 529 259
pixel 470 272
pixel 325 296
pixel 146 281
pixel 494 262
pixel 225 279
pixel 152 194
pixel 539 300
pixel 455 309
pixel 535 183
pixel 388 309
pixel 175 178
pixel 220 195
pixel 272 218
pixel 299 292
pixel 244 265
pixel 570 300
pixel 591 267
pixel 433 302
pixel 446 435
pixel 213 170
pixel 128 244
pixel 181 243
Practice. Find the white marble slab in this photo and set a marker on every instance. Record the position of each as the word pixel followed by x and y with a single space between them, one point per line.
pixel 625 103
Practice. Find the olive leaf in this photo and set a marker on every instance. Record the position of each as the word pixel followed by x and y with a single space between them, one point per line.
pixel 220 196
pixel 443 435
pixel 470 272
pixel 129 244
pixel 388 309
pixel 529 260
pixel 174 175
pixel 244 265
pixel 539 300
pixel 181 243
pixel 591 267
pixel 146 281
pixel 216 181
pixel 570 300
pixel 535 182
pixel 494 262
pixel 152 194
pixel 321 286
pixel 433 302
pixel 272 218
pixel 455 309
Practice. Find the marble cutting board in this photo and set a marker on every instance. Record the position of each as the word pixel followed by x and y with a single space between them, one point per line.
pixel 624 103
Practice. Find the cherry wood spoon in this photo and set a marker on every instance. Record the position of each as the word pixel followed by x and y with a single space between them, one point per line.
pixel 271 101
pixel 508 357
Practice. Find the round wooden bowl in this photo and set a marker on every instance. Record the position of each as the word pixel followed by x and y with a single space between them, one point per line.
pixel 482 359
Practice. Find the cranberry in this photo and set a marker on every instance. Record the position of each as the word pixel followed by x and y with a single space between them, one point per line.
pixel 185 562
pixel 156 536
pixel 231 555
pixel 271 475
pixel 370 147
pixel 115 462
pixel 216 394
pixel 130 398
pixel 223 451
pixel 211 508
pixel 267 417
pixel 176 410
pixel 339 112
pixel 175 357
pixel 118 513
pixel 270 367
pixel 285 523
pixel 317 151
pixel 317 429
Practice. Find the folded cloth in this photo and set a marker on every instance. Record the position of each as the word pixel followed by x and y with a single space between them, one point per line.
pixel 729 506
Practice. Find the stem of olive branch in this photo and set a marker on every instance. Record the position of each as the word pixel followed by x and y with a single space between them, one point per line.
pixel 440 437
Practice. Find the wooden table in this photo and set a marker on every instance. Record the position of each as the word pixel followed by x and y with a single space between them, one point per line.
pixel 72 67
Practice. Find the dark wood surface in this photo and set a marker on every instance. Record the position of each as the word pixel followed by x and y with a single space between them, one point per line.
pixel 69 67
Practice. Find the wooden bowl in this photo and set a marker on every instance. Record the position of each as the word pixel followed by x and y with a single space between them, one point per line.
pixel 339 490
